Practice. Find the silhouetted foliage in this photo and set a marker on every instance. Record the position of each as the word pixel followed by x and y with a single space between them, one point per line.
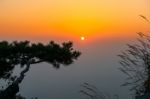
pixel 145 18
pixel 21 97
pixel 24 54
pixel 92 92
pixel 135 63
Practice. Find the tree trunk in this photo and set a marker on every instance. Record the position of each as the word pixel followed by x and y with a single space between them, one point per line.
pixel 11 91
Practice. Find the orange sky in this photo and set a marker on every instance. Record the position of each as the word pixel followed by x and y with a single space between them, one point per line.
pixel 71 18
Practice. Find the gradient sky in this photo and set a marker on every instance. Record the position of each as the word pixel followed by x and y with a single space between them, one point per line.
pixel 71 18
pixel 115 21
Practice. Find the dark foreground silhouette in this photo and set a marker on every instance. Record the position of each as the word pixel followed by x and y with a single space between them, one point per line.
pixel 25 54
pixel 135 63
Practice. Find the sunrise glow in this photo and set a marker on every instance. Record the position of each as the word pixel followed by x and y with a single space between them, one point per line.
pixel 72 47
pixel 70 18
pixel 82 38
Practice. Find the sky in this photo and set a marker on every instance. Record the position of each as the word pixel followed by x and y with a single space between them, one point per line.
pixel 71 19
pixel 106 25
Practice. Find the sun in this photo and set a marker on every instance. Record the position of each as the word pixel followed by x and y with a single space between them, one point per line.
pixel 82 38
